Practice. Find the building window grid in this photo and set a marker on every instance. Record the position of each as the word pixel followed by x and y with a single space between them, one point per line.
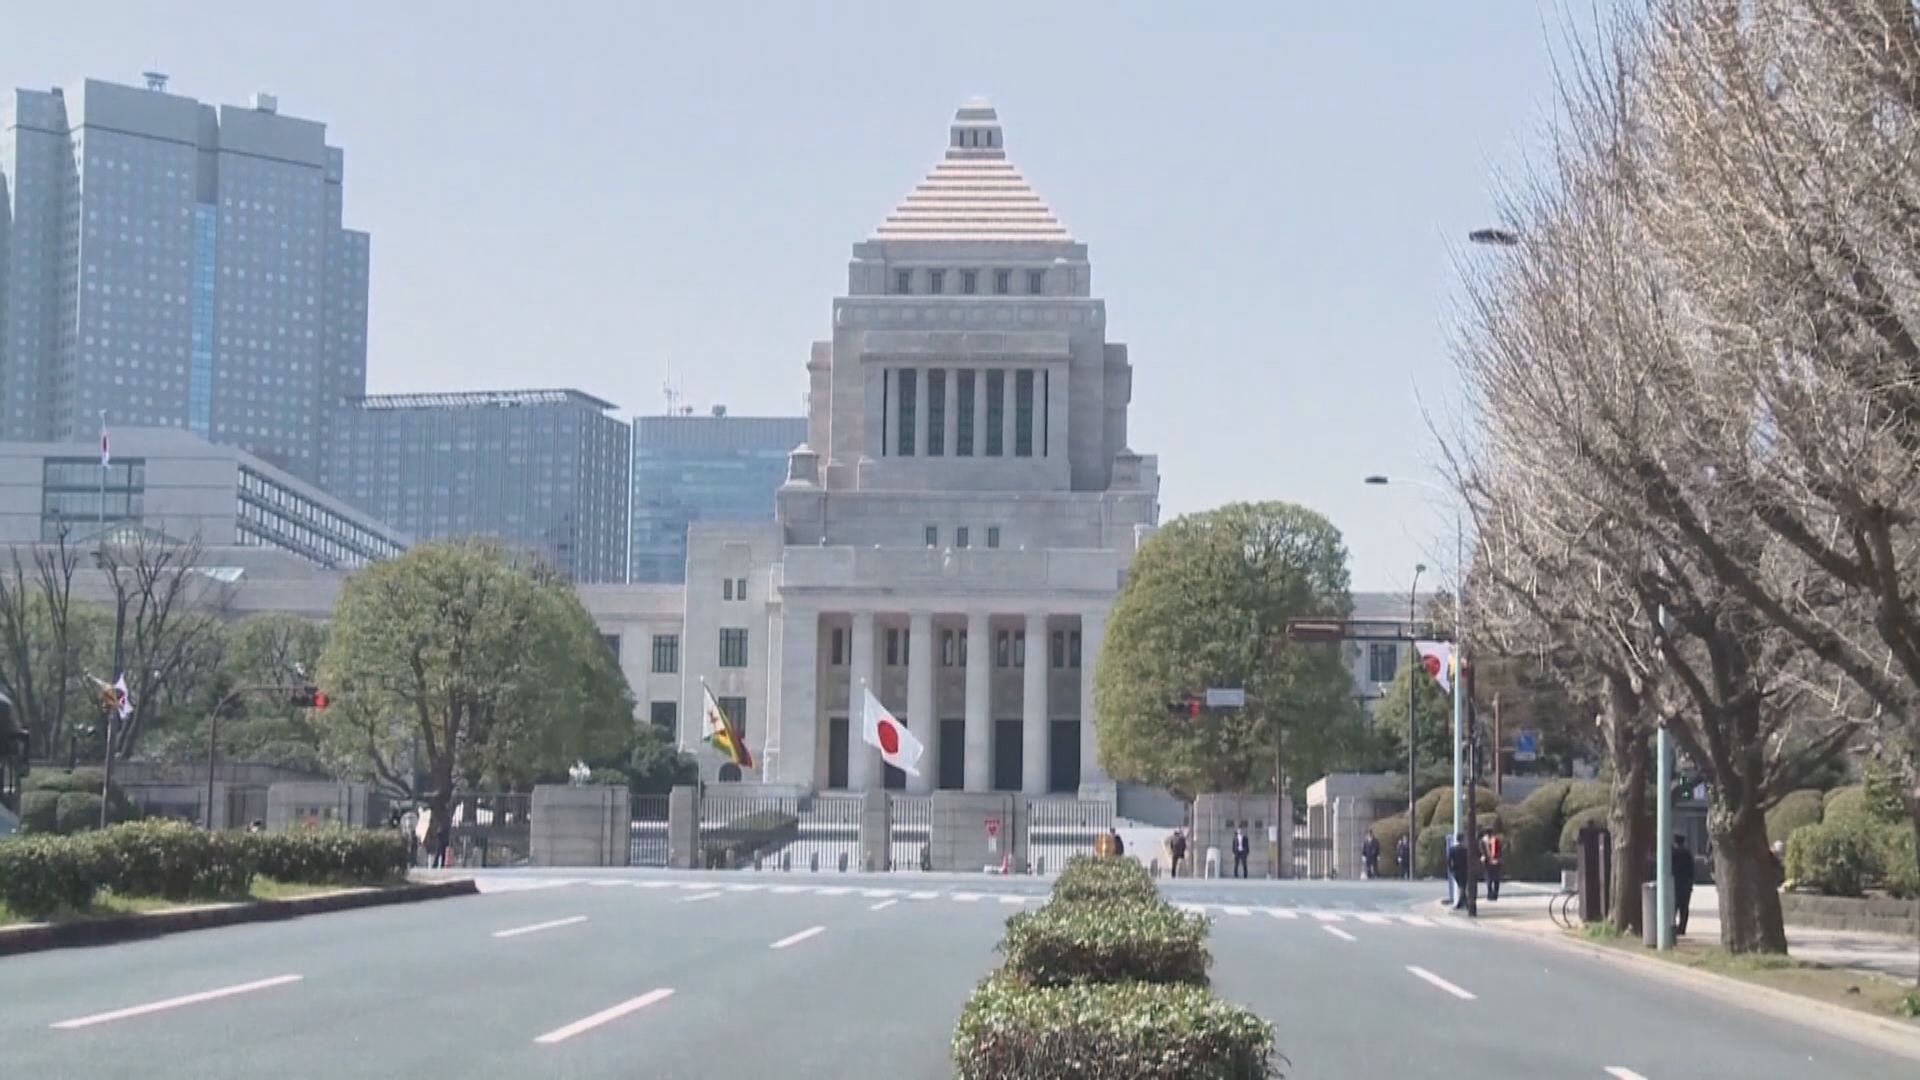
pixel 960 537
pixel 936 412
pixel 666 654
pixel 733 647
pixel 1383 660
pixel 735 709
pixel 963 421
pixel 908 382
pixel 993 536
pixel 1023 414
pixel 996 414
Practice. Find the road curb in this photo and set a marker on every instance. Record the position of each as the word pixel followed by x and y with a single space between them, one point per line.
pixel 39 937
pixel 1884 1033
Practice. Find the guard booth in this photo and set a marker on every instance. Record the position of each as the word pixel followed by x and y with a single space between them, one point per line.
pixel 13 755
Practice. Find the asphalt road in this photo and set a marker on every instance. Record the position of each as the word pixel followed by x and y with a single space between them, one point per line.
pixel 741 975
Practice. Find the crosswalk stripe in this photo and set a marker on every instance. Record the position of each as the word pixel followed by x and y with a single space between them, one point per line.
pixel 922 895
pixel 1283 913
pixel 1328 916
pixel 654 884
pixel 1013 899
pixel 967 897
pixel 1231 910
pixel 1414 920
pixel 879 894
pixel 836 890
pixel 745 888
pixel 789 890
pixel 1372 920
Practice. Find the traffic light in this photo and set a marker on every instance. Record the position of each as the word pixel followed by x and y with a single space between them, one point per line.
pixel 1187 705
pixel 310 697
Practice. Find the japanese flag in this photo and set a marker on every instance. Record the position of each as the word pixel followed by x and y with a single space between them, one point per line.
pixel 897 745
pixel 1437 658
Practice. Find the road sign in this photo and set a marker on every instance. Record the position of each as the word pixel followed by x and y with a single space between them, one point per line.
pixel 1226 698
pixel 1526 745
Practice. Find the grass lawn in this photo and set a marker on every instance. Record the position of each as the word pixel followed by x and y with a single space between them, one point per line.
pixel 1852 989
pixel 107 904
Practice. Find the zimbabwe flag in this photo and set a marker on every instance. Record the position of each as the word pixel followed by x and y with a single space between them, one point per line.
pixel 723 736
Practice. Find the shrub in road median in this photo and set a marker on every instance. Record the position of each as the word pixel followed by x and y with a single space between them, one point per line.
pixel 171 860
pixel 45 875
pixel 1834 859
pixel 1086 878
pixel 1107 942
pixel 1116 1031
pixel 328 856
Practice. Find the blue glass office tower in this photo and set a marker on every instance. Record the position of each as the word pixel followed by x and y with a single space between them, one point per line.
pixel 702 468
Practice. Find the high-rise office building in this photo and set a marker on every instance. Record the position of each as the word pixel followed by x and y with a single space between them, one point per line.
pixel 545 469
pixel 176 264
pixel 702 468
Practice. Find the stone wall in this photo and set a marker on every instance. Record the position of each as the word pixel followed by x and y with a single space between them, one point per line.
pixel 1216 816
pixel 581 826
pixel 960 841
pixel 1882 915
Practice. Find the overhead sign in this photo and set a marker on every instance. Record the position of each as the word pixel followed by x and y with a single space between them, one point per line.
pixel 1526 745
pixel 1226 698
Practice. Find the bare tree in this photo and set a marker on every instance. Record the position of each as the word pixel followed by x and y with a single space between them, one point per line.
pixel 39 647
pixel 167 628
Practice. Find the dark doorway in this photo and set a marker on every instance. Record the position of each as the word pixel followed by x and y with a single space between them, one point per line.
pixel 837 752
pixel 1063 759
pixel 896 779
pixel 953 755
pixel 1006 755
pixel 729 773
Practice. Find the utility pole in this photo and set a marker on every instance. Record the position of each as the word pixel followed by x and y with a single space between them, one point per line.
pixel 1663 824
pixel 1413 657
pixel 1472 884
pixel 1498 745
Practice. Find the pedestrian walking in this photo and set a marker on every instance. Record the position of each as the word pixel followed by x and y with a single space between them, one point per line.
pixel 1682 883
pixel 1177 849
pixel 1242 847
pixel 1116 846
pixel 1492 851
pixel 1457 868
pixel 1370 856
pixel 1403 855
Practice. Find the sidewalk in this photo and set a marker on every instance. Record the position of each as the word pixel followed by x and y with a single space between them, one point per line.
pixel 1885 955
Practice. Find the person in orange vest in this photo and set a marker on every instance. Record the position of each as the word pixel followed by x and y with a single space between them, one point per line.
pixel 1491 854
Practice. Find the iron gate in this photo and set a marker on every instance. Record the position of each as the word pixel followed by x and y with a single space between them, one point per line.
pixel 491 830
pixel 1312 855
pixel 648 832
pixel 817 832
pixel 909 832
pixel 1060 828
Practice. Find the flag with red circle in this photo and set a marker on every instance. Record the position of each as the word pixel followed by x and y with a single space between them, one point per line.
pixel 897 745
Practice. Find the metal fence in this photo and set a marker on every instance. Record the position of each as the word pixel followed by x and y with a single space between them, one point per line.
pixel 1312 855
pixel 818 832
pixel 648 833
pixel 491 830
pixel 909 832
pixel 1060 828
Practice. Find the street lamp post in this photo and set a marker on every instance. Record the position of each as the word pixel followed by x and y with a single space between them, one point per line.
pixel 1413 656
pixel 1459 644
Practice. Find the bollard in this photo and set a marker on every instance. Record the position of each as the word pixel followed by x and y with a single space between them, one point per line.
pixel 1040 865
pixel 786 860
pixel 814 862
pixel 1153 868
pixel 1213 862
pixel 756 861
pixel 843 862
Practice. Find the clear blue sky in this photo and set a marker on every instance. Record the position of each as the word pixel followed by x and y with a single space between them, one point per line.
pixel 581 194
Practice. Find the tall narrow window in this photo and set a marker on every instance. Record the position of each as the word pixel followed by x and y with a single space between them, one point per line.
pixel 933 536
pixel 969 281
pixel 960 536
pixel 726 588
pixel 993 536
pixel 1073 649
pixel 893 647
pixel 1036 282
pixel 909 384
pixel 1046 409
pixel 839 655
pixel 736 710
pixel 1059 643
pixel 666 654
pixel 946 648
pixel 1019 648
pixel 936 412
pixel 963 404
pixel 936 281
pixel 996 412
pixel 886 404
pixel 902 282
pixel 1002 649
pixel 1023 414
pixel 733 647
pixel 1002 282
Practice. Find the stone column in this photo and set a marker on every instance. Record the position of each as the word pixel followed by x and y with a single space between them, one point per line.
pixel 950 411
pixel 1093 628
pixel 863 761
pixel 1008 396
pixel 1034 725
pixel 979 416
pixel 920 413
pixel 979 764
pixel 920 718
pixel 799 661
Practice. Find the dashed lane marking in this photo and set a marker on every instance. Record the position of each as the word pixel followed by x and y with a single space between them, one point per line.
pixel 1429 977
pixel 561 1034
pixel 175 1003
pixel 696 898
pixel 883 905
pixel 1339 933
pixel 795 939
pixel 537 927
pixel 1283 913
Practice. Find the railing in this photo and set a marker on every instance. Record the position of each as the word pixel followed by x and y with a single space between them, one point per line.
pixel 820 832
pixel 1060 828
pixel 491 830
pixel 1312 855
pixel 909 832
pixel 648 833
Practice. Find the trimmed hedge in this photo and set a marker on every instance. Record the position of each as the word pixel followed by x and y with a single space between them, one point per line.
pixel 1586 795
pixel 1119 1031
pixel 1528 844
pixel 1548 801
pixel 63 802
pixel 42 876
pixel 1430 858
pixel 1796 810
pixel 1389 830
pixel 1570 832
pixel 1127 941
pixel 1090 879
pixel 1440 811
pixel 1846 804
pixel 1834 859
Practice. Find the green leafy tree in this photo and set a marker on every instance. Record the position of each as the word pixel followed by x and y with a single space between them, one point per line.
pixel 472 663
pixel 654 765
pixel 265 657
pixel 1206 604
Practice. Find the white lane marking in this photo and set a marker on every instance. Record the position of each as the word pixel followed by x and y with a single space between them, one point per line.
pixel 562 1034
pixel 883 905
pixel 745 888
pixel 1414 920
pixel 1197 909
pixel 695 886
pixel 1339 933
pixel 699 897
pixel 789 890
pixel 966 897
pixel 1013 898
pixel 1326 916
pixel 654 884
pixel 174 1003
pixel 835 891
pixel 875 894
pixel 1372 920
pixel 607 884
pixel 537 927
pixel 922 896
pixel 795 939
pixel 1283 913
pixel 1621 1072
pixel 1236 910
pixel 1423 973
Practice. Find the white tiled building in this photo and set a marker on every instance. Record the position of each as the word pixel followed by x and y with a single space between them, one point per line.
pixel 952 532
